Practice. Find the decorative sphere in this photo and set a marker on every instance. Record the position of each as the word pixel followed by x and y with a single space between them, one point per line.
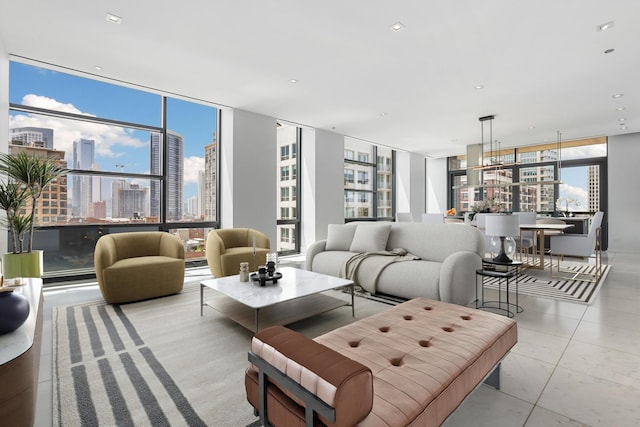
pixel 509 246
pixel 14 310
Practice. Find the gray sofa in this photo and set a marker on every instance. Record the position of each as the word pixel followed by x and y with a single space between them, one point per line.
pixel 440 260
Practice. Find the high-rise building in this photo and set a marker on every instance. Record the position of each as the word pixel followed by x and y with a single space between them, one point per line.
pixel 82 186
pixel 174 176
pixel 593 182
pixel 32 136
pixel 287 155
pixel 210 185
pixel 51 207
pixel 199 213
pixel 129 200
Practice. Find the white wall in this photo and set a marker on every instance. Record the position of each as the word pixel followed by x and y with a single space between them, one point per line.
pixel 624 203
pixel 417 173
pixel 436 185
pixel 4 119
pixel 403 184
pixel 410 176
pixel 322 184
pixel 249 157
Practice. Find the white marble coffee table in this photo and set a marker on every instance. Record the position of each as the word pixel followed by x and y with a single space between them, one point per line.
pixel 296 296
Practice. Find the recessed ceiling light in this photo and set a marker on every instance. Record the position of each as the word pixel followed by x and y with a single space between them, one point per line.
pixel 532 127
pixel 98 68
pixel 622 119
pixel 623 127
pixel 620 109
pixel 605 26
pixel 609 51
pixel 383 114
pixel 618 95
pixel 114 19
pixel 478 87
pixel 293 81
pixel 397 26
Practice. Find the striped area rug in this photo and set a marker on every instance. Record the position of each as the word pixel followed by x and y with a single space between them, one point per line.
pixel 158 362
pixel 152 363
pixel 540 283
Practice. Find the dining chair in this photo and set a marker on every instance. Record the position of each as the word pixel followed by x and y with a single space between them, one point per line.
pixel 582 246
pixel 549 233
pixel 527 243
pixel 404 217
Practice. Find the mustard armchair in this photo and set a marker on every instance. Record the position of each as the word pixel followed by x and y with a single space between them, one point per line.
pixel 227 248
pixel 140 265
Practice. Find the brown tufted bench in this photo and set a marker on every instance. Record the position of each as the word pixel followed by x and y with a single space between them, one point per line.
pixel 424 358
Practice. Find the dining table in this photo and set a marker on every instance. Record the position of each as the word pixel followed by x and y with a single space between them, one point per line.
pixel 539 229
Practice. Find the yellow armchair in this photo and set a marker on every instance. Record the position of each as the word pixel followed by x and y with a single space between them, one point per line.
pixel 228 247
pixel 140 265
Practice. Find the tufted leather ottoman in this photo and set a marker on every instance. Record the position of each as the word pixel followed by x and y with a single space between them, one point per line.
pixel 425 356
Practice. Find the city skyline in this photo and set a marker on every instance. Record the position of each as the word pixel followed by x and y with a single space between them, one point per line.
pixel 117 149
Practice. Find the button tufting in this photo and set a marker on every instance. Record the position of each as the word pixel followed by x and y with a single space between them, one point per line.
pixel 424 343
pixel 428 308
pixel 407 317
pixel 384 329
pixel 354 344
pixel 397 361
pixel 465 317
pixel 447 329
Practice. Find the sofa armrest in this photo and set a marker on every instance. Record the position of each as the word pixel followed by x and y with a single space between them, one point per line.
pixel 458 277
pixel 314 249
pixel 309 373
pixel 171 246
pixel 262 240
pixel 104 255
pixel 214 249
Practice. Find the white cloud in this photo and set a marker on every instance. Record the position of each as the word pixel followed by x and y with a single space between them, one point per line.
pixel 192 165
pixel 110 140
pixel 577 197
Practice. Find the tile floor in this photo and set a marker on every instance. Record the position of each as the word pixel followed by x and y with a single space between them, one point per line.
pixel 574 364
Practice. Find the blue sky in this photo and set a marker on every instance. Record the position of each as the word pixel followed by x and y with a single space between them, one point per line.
pixel 114 146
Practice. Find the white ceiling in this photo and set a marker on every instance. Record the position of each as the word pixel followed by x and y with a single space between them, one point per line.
pixel 542 63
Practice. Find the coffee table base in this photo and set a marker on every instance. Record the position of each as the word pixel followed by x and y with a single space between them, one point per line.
pixel 282 313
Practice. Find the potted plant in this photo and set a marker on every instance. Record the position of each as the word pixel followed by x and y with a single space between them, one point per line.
pixel 25 177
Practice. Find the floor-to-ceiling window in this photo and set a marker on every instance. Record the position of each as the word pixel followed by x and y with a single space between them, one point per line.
pixel 565 179
pixel 288 184
pixel 368 181
pixel 138 161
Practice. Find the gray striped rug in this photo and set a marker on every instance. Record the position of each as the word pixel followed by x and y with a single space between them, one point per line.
pixel 158 363
pixel 540 283
pixel 152 363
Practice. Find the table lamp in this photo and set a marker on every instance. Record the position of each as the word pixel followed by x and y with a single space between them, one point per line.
pixel 505 227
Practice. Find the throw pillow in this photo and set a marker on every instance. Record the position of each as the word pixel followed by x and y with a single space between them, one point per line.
pixel 370 238
pixel 339 237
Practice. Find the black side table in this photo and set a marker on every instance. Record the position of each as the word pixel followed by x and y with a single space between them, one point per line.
pixel 504 272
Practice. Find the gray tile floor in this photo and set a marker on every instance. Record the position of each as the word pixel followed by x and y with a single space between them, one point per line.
pixel 574 364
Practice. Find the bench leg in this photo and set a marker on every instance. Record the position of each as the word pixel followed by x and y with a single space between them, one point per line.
pixel 493 379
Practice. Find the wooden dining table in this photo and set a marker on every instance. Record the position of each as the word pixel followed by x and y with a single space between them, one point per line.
pixel 540 230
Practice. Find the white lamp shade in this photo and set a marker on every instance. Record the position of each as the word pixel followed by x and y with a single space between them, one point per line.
pixel 502 225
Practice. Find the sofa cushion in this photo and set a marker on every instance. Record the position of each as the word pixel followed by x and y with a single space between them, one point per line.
pixel 139 278
pixel 340 236
pixel 370 237
pixel 330 262
pixel 425 355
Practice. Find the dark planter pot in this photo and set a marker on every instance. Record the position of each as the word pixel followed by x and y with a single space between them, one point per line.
pixel 14 310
